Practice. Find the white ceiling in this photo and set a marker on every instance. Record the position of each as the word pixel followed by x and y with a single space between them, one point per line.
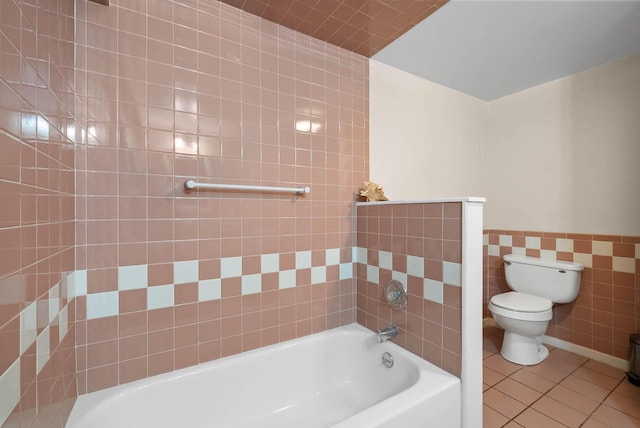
pixel 490 49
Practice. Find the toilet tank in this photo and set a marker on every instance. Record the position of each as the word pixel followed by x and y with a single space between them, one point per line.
pixel 555 280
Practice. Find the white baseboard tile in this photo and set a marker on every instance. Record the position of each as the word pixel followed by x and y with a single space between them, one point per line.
pixel 610 360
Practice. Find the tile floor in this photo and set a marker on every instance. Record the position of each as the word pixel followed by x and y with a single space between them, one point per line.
pixel 565 390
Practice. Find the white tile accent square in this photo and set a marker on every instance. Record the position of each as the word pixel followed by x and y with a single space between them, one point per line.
pixel 54 302
pixel 251 284
pixel 505 240
pixel 28 326
pixel 81 282
pixel 287 279
pixel 42 349
pixel 548 255
pixel 71 285
pixel 269 263
pixel 415 266
pixel 602 248
pixel 451 273
pixel 373 274
pixel 532 242
pixel 399 276
pixel 230 267
pixel 485 239
pixel 160 296
pixel 185 272
pixel 318 274
pixel 564 245
pixel 63 323
pixel 303 259
pixel 346 270
pixel 100 305
pixel 133 277
pixel 9 390
pixel 624 264
pixel 433 290
pixel 361 255
pixel 519 251
pixel 585 259
pixel 493 250
pixel 209 289
pixel 385 260
pixel 332 256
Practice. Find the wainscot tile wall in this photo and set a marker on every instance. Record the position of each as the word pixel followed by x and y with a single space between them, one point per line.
pixel 199 89
pixel 419 245
pixel 607 309
pixel 38 124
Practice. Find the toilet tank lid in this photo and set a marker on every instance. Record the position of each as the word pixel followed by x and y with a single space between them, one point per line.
pixel 557 264
pixel 521 302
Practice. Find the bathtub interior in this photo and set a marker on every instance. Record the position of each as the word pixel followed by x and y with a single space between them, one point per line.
pixel 316 381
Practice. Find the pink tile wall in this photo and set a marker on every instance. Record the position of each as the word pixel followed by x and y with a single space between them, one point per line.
pixel 37 136
pixel 607 309
pixel 199 89
pixel 423 247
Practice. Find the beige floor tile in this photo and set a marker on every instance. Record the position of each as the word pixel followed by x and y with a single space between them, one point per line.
pixel 559 412
pixel 569 356
pixel 520 392
pixel 624 404
pixel 531 418
pixel 513 425
pixel 574 399
pixel 628 390
pixel 491 377
pixel 596 378
pixel 594 423
pixel 532 380
pixel 547 371
pixel 485 386
pixel 604 369
pixel 500 365
pixel 585 387
pixel 615 418
pixel 492 419
pixel 502 403
pixel 486 354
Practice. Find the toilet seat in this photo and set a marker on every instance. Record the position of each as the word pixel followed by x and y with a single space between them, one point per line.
pixel 521 306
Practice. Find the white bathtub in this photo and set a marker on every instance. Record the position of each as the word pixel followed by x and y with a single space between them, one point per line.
pixel 331 379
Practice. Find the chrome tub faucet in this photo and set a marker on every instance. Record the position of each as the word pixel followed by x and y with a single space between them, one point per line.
pixel 387 333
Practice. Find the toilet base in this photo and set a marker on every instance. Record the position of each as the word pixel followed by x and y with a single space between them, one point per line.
pixel 523 350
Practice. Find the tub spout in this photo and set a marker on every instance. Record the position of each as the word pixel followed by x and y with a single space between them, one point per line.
pixel 387 333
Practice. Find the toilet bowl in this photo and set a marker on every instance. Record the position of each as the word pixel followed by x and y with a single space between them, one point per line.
pixel 525 313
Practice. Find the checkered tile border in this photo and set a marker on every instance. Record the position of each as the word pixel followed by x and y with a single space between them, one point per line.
pixel 432 289
pixel 564 245
pixel 106 304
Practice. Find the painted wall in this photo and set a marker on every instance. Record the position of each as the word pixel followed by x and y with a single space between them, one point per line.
pixel 563 156
pixel 192 89
pixel 37 137
pixel 421 132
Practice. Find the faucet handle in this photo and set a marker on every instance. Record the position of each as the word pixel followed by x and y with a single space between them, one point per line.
pixel 395 295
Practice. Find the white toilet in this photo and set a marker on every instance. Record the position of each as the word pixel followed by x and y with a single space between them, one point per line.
pixel 524 313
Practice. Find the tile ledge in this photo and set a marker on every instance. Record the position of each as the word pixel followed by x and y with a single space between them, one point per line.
pixel 425 201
